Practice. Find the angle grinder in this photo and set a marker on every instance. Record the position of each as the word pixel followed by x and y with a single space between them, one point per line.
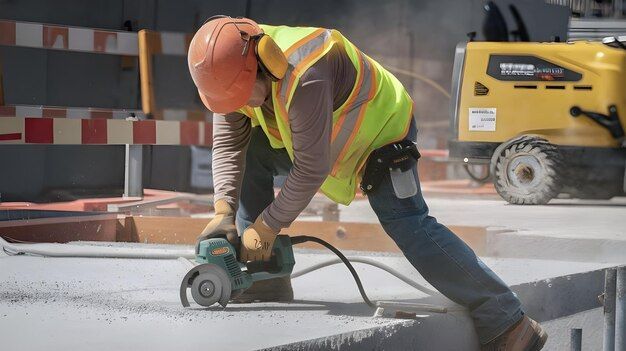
pixel 220 277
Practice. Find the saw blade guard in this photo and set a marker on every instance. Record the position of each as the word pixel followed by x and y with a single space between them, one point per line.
pixel 209 284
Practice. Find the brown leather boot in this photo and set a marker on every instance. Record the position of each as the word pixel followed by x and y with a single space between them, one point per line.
pixel 526 335
pixel 271 290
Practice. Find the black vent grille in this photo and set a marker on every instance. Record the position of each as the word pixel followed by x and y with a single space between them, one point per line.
pixel 480 89
pixel 233 267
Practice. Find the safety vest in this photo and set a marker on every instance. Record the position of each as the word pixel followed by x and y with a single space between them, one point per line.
pixel 376 113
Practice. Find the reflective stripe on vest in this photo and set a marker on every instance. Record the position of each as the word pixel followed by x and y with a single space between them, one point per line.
pixel 298 56
pixel 377 111
pixel 347 124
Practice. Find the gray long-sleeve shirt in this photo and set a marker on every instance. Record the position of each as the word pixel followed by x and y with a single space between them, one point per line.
pixel 324 87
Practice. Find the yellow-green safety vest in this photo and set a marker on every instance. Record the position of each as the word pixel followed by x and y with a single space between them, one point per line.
pixel 376 113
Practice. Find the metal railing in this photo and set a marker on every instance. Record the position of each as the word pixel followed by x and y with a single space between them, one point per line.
pixel 594 8
pixel 595 28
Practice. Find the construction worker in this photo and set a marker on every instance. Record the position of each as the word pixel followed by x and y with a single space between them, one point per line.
pixel 306 103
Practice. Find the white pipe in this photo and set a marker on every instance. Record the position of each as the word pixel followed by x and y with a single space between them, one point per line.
pixel 98 251
pixel 69 250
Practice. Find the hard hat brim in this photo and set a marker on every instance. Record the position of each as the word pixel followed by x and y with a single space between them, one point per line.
pixel 227 105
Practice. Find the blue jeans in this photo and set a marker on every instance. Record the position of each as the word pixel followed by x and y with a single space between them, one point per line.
pixel 443 259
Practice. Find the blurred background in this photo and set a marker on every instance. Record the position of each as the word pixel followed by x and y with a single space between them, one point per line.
pixel 415 39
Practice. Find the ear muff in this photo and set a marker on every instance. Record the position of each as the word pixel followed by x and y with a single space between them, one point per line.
pixel 271 57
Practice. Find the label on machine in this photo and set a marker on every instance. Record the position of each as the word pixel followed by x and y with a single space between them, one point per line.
pixel 482 119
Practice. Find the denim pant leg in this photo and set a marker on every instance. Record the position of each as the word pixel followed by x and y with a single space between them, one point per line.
pixel 445 261
pixel 257 189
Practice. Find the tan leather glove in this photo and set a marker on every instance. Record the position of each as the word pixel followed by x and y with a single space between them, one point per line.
pixel 257 242
pixel 221 226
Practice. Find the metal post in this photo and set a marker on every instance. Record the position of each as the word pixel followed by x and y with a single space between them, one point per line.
pixel 610 275
pixel 133 167
pixel 619 8
pixel 330 212
pixel 1 86
pixel 620 310
pixel 576 339
pixel 146 45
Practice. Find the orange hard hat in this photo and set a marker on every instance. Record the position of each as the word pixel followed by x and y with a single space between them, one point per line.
pixel 222 66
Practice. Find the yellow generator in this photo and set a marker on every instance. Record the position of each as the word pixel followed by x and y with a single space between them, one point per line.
pixel 546 117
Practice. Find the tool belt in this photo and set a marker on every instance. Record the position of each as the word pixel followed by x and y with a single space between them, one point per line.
pixel 401 156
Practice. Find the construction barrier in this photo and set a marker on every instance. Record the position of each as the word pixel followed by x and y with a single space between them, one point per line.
pixel 24 124
pixel 77 39
pixel 65 131
pixel 24 111
pixel 48 36
pixel 153 43
pixel 45 36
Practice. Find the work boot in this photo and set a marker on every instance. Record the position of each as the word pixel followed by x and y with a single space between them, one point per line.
pixel 525 335
pixel 271 290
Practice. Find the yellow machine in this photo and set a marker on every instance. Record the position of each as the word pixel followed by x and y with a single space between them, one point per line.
pixel 546 117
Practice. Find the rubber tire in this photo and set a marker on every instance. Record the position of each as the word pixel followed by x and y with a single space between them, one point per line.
pixel 548 160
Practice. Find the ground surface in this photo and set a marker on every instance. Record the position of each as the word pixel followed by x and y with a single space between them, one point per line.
pixel 127 304
pixel 122 304
pixel 559 219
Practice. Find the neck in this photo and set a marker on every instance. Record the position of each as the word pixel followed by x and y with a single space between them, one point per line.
pixel 268 88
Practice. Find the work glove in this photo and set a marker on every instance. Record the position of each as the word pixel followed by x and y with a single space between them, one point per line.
pixel 257 242
pixel 221 226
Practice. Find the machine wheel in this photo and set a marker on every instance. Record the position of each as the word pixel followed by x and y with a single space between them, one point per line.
pixel 529 172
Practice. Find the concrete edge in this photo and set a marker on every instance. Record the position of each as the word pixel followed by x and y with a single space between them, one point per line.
pixel 543 300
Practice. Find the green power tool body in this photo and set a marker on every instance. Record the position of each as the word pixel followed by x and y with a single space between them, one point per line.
pixel 219 276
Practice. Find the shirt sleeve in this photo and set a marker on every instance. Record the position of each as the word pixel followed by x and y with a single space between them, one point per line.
pixel 310 120
pixel 231 135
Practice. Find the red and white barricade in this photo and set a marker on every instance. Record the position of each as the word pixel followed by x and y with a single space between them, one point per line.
pixel 67 131
pixel 24 124
pixel 50 36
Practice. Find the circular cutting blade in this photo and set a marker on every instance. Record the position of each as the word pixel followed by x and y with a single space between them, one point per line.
pixel 209 284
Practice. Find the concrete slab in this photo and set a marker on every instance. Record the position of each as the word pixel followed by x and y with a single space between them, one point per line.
pixel 103 304
pixel 570 230
pixel 559 219
pixel 590 321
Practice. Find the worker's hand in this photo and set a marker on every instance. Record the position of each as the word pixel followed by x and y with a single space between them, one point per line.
pixel 257 242
pixel 221 226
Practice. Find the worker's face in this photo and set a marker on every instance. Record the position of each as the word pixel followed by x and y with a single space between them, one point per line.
pixel 260 91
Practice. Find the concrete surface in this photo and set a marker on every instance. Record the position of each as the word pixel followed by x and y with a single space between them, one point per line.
pixel 559 219
pixel 590 322
pixel 122 304
pixel 572 230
